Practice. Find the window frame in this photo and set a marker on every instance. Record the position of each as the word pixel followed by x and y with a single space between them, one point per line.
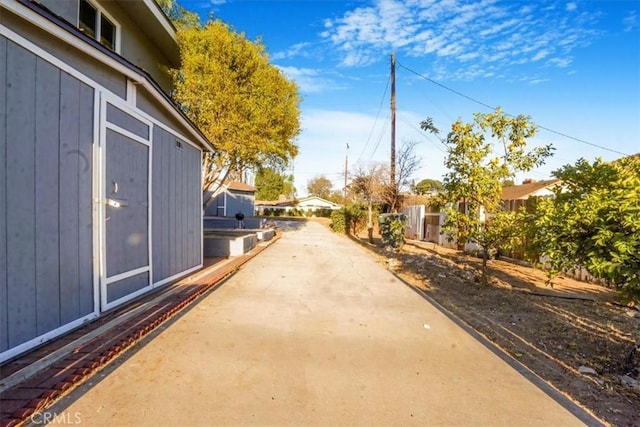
pixel 100 12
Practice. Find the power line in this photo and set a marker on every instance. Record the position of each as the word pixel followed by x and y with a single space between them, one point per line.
pixel 493 108
pixel 384 95
pixel 384 128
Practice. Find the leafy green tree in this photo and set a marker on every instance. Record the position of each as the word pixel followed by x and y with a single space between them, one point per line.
pixel 428 185
pixel 473 185
pixel 320 186
pixel 244 105
pixel 594 222
pixel 270 184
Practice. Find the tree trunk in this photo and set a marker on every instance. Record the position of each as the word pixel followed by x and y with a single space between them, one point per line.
pixel 485 257
pixel 370 223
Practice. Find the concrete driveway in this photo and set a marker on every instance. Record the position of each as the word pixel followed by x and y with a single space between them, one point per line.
pixel 313 332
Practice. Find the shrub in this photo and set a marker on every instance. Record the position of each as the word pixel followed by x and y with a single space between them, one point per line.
pixel 339 220
pixel 392 229
pixel 356 218
pixel 323 212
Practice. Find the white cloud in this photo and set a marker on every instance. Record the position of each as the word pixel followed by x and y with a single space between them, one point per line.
pixel 630 21
pixel 541 55
pixel 500 33
pixel 498 28
pixel 310 80
pixel 560 62
pixel 298 49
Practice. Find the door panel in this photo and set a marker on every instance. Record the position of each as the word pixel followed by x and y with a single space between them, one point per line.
pixel 125 253
pixel 126 189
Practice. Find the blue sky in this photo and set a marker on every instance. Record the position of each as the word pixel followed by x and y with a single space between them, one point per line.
pixel 573 66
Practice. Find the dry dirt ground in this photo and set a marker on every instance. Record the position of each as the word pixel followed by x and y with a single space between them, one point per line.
pixel 555 331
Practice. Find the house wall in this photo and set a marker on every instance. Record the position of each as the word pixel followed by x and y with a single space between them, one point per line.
pixel 239 201
pixel 46 135
pixel 315 203
pixel 235 201
pixel 104 76
pixel 135 46
pixel 67 9
pixel 216 207
pixel 145 102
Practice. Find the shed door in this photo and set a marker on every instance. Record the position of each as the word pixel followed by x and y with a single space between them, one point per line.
pixel 126 252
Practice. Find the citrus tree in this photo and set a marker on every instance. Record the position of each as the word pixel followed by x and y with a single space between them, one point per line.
pixel 481 155
pixel 594 222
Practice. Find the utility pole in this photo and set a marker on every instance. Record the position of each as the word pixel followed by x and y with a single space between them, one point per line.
pixel 393 129
pixel 346 163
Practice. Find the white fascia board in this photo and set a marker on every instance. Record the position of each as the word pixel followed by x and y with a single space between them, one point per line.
pixel 161 18
pixel 43 23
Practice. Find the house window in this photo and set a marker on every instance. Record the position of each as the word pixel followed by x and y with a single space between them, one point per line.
pixel 96 24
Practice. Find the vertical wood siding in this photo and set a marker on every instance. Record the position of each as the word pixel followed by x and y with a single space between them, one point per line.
pixel 4 321
pixel 176 206
pixel 239 202
pixel 21 300
pixel 48 214
pixel 45 194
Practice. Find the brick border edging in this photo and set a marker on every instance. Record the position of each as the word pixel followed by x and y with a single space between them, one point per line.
pixel 99 361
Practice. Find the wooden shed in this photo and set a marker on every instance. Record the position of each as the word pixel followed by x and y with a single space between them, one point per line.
pixel 100 173
pixel 232 198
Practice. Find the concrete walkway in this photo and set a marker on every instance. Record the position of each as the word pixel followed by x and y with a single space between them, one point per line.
pixel 312 332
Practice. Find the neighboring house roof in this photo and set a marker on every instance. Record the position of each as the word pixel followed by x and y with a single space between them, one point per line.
pixel 310 201
pixel 523 191
pixel 241 186
pixel 315 201
pixel 281 202
pixel 44 18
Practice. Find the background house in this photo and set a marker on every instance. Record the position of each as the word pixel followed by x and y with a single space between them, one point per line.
pixel 100 190
pixel 305 204
pixel 232 198
pixel 515 196
pixel 424 222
